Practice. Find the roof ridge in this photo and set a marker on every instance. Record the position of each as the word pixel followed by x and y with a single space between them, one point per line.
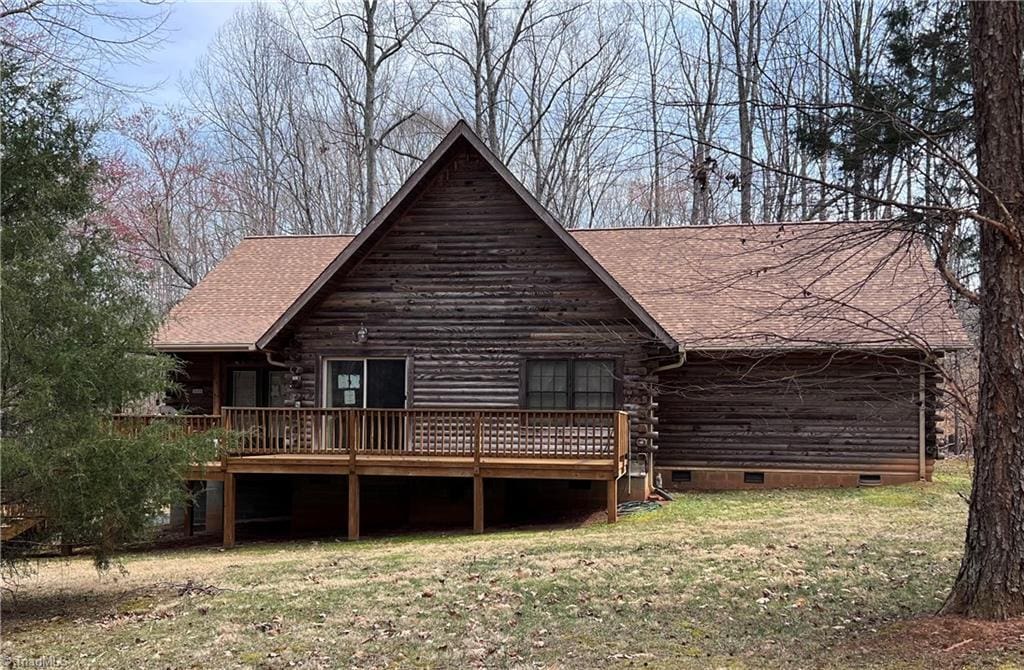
pixel 296 236
pixel 759 224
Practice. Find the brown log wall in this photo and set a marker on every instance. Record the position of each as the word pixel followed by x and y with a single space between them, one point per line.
pixel 795 411
pixel 468 284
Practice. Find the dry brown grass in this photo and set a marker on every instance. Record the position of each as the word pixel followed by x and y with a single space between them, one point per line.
pixel 737 580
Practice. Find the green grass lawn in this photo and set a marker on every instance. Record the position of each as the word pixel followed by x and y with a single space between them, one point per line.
pixel 839 578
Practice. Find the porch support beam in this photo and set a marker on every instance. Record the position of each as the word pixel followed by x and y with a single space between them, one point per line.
pixel 188 508
pixel 478 504
pixel 353 506
pixel 229 510
pixel 216 400
pixel 613 500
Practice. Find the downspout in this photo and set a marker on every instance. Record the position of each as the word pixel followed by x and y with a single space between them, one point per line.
pixel 669 366
pixel 294 370
pixel 269 354
pixel 672 366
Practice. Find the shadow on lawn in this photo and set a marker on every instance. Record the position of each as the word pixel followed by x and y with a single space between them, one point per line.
pixel 937 642
pixel 23 610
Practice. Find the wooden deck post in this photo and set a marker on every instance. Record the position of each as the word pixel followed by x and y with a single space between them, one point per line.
pixel 613 500
pixel 478 481
pixel 352 445
pixel 188 509
pixel 353 506
pixel 478 504
pixel 229 510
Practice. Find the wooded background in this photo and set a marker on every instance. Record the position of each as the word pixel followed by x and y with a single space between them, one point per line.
pixel 305 117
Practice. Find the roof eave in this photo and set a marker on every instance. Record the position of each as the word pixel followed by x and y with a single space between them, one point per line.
pixel 193 347
pixel 825 346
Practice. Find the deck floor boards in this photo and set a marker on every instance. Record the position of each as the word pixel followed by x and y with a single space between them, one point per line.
pixel 412 465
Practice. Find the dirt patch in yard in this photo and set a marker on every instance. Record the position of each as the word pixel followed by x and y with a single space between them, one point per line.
pixel 942 642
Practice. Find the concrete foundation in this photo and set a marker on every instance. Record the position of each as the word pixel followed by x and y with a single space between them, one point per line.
pixel 684 479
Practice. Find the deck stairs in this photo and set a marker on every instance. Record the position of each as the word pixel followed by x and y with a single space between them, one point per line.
pixel 16 520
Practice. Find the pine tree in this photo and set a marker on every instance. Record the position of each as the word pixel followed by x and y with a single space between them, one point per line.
pixel 76 339
pixel 990 583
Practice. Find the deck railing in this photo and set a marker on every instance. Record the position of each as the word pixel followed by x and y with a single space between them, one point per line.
pixel 189 423
pixel 499 433
pixel 430 432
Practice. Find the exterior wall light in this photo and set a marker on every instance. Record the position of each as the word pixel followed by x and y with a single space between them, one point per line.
pixel 362 334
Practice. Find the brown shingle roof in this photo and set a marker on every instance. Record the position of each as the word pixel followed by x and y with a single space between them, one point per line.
pixel 726 287
pixel 773 285
pixel 247 291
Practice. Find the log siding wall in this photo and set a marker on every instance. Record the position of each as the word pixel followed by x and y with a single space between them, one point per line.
pixel 795 411
pixel 467 285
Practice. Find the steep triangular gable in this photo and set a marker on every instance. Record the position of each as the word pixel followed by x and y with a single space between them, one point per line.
pixel 388 214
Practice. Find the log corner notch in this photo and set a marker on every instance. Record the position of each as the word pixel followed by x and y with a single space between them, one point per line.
pixel 922 426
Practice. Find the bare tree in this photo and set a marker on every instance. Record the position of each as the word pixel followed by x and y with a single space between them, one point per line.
pixel 476 47
pixel 697 48
pixel 652 22
pixel 242 87
pixel 564 121
pixel 164 201
pixel 82 40
pixel 374 35
pixel 743 35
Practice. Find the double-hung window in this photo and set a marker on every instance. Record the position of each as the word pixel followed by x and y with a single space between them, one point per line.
pixel 570 384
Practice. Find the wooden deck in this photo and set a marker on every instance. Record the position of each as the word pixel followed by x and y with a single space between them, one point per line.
pixel 477 444
pixel 412 465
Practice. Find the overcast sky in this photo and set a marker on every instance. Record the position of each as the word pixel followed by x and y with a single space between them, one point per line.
pixel 190 27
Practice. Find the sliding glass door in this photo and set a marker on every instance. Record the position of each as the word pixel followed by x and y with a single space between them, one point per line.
pixel 374 383
pixel 370 383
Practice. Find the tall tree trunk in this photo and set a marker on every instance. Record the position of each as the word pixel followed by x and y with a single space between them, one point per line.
pixel 370 112
pixel 481 71
pixel 860 33
pixel 744 64
pixel 492 100
pixel 701 190
pixel 990 584
pixel 656 195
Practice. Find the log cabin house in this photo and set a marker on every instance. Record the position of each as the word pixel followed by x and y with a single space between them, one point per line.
pixel 466 359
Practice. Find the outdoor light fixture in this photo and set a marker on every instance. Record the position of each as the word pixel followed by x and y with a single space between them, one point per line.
pixel 361 334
